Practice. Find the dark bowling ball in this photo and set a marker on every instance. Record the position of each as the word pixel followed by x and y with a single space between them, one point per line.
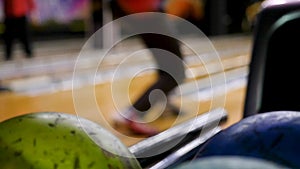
pixel 229 162
pixel 273 136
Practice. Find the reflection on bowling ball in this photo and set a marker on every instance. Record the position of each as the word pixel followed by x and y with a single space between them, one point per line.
pixel 273 136
pixel 229 162
pixel 50 140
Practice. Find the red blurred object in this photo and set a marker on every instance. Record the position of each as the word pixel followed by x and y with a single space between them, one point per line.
pixel 132 122
pixel 18 8
pixel 136 6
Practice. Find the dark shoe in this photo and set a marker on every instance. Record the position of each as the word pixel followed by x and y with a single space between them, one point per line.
pixel 4 89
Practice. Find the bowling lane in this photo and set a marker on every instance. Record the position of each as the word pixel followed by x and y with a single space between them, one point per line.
pixel 53 97
pixel 52 70
pixel 14 104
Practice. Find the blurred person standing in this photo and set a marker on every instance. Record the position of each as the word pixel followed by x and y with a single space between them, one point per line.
pixel 97 21
pixel 167 69
pixel 16 15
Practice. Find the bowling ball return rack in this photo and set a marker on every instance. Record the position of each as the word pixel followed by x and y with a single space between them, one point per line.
pixel 179 143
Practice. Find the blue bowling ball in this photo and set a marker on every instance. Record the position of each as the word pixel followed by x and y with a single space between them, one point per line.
pixel 272 136
pixel 229 162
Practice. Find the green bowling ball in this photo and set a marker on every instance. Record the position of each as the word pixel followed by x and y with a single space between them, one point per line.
pixel 229 162
pixel 50 140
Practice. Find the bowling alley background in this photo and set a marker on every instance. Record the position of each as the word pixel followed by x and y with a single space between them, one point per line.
pixel 61 28
pixel 257 119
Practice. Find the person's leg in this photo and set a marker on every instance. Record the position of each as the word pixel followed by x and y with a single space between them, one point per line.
pixel 8 38
pixel 171 72
pixel 24 36
pixel 167 81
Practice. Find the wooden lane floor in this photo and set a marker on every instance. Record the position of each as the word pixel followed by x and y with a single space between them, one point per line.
pixel 16 103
